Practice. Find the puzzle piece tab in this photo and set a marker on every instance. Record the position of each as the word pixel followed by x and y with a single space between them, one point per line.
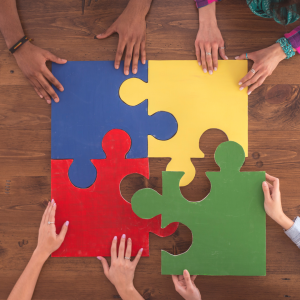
pixel 99 213
pixel 198 101
pixel 228 226
pixel 89 107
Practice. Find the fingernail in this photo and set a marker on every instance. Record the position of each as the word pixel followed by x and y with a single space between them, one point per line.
pixel 123 236
pixel 61 89
pixel 67 223
pixel 115 237
pixel 54 204
pixel 241 88
pixel 249 93
pixel 265 184
pixel 236 57
pixel 240 83
pixel 199 63
pixel 56 99
pixel 215 68
pixel 126 72
pixel 226 57
pixel 134 71
pixel 99 257
pixel 204 70
pixel 141 250
pixel 41 96
pixel 117 67
pixel 210 72
pixel 63 60
pixel 52 200
pixel 49 101
pixel 144 61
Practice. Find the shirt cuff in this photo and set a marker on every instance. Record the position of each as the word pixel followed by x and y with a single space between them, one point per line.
pixel 202 3
pixel 294 232
pixel 294 38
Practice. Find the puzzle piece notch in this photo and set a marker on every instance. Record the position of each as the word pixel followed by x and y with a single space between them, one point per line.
pixel 99 213
pixel 90 106
pixel 228 226
pixel 192 98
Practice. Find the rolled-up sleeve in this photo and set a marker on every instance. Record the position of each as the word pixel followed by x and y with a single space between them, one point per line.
pixel 201 3
pixel 294 232
pixel 294 38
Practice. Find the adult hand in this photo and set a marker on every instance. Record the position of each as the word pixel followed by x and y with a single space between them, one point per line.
pixel 121 271
pixel 209 41
pixel 32 62
pixel 131 27
pixel 48 240
pixel 265 62
pixel 272 202
pixel 186 287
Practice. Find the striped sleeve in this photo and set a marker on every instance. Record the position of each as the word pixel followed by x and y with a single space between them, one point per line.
pixel 294 232
pixel 201 3
pixel 294 38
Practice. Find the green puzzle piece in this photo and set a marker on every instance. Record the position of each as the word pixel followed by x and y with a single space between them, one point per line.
pixel 228 226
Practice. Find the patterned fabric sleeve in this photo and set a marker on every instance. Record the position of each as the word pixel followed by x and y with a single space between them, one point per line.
pixel 294 232
pixel 201 3
pixel 294 38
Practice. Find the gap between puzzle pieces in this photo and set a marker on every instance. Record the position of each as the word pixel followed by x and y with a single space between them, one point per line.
pixel 228 226
pixel 89 107
pixel 198 101
pixel 99 213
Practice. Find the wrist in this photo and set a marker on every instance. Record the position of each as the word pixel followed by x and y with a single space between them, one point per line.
pixel 207 14
pixel 40 256
pixel 278 51
pixel 22 49
pixel 140 7
pixel 284 221
pixel 127 292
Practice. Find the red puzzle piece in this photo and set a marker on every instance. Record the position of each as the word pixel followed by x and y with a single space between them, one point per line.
pixel 98 213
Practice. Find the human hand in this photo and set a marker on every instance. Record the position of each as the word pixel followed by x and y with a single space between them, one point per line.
pixel 131 27
pixel 265 62
pixel 32 62
pixel 48 240
pixel 121 271
pixel 209 40
pixel 185 286
pixel 272 202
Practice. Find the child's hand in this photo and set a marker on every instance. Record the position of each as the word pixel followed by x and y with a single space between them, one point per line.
pixel 186 287
pixel 272 202
pixel 121 271
pixel 48 240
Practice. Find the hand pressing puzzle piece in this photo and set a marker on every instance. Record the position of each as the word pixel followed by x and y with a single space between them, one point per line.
pixel 198 101
pixel 89 107
pixel 99 213
pixel 228 226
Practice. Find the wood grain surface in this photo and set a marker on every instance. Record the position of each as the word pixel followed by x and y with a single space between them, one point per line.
pixel 25 120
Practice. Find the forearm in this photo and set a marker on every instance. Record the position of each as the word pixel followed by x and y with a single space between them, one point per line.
pixel 10 24
pixel 129 294
pixel 207 14
pixel 24 288
pixel 284 221
pixel 140 7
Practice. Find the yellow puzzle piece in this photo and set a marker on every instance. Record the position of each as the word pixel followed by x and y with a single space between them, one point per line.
pixel 199 101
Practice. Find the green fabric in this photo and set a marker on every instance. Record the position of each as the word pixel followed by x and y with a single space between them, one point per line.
pixel 262 9
pixel 228 226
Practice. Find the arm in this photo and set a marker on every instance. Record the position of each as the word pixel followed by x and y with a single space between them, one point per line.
pixel 209 41
pixel 121 271
pixel 131 27
pixel 48 242
pixel 30 59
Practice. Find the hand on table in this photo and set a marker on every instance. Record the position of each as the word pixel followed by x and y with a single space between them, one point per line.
pixel 272 202
pixel 48 240
pixel 265 62
pixel 32 62
pixel 131 27
pixel 121 271
pixel 185 286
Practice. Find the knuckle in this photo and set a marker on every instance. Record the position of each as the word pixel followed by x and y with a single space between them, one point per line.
pixel 128 56
pixel 119 52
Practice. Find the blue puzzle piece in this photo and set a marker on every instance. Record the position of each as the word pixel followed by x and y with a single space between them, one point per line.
pixel 89 107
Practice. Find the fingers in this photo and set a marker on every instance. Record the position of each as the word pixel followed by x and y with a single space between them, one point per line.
pixel 48 210
pixel 45 213
pixel 208 57
pixel 106 34
pixel 52 213
pixel 187 279
pixel 222 52
pixel 47 87
pixel 54 58
pixel 122 247
pixel 257 84
pixel 53 80
pixel 143 51
pixel 250 75
pixel 193 277
pixel 135 60
pixel 243 56
pixel 198 55
pixel 175 280
pixel 128 249
pixel 203 60
pixel 119 53
pixel 128 56
pixel 274 180
pixel 41 90
pixel 266 190
pixel 104 265
pixel 215 56
pixel 113 249
pixel 63 231
pixel 138 256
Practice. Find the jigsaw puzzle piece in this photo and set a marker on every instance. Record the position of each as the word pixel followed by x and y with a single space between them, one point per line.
pixel 90 106
pixel 99 213
pixel 228 226
pixel 198 102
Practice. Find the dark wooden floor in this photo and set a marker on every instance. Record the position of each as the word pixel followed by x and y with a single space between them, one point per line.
pixel 274 146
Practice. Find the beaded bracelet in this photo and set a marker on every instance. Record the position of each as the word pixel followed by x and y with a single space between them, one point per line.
pixel 286 47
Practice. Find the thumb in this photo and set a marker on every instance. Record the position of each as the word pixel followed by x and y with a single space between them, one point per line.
pixel 243 56
pixel 104 265
pixel 266 190
pixel 187 279
pixel 64 230
pixel 106 34
pixel 55 59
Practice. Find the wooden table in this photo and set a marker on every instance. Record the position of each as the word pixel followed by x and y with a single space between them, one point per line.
pixel 274 146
